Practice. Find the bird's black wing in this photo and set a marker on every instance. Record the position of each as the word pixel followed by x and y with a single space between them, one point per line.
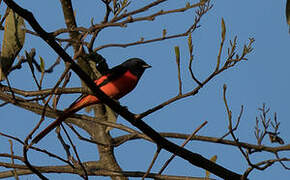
pixel 113 74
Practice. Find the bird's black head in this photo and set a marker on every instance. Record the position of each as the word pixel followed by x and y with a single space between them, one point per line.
pixel 136 66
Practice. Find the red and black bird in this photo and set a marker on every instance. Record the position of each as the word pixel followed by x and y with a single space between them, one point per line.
pixel 116 83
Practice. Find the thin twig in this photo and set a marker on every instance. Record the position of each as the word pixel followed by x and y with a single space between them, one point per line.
pixel 12 159
pixel 26 146
pixel 152 162
pixel 184 143
pixel 10 89
pixel 85 176
pixel 83 138
pixel 66 81
pixel 65 146
pixel 266 163
pixel 177 55
pixel 190 47
pixel 223 33
pixel 281 162
pixel 203 10
pixel 237 124
pixel 230 127
pixel 46 103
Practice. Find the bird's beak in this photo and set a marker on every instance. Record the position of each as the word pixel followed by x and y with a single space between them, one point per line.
pixel 146 66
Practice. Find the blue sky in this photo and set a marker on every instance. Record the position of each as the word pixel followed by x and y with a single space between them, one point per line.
pixel 264 78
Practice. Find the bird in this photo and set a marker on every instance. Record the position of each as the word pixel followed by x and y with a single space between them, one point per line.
pixel 116 83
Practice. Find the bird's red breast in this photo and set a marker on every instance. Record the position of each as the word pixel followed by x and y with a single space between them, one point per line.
pixel 114 89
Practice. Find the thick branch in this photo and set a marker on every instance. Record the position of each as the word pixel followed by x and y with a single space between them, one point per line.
pixel 94 169
pixel 57 91
pixel 70 21
pixel 206 139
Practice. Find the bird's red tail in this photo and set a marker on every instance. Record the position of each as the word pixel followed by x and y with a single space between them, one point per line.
pixel 74 107
pixel 54 124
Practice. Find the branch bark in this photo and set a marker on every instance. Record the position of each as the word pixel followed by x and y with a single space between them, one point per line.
pixel 96 169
